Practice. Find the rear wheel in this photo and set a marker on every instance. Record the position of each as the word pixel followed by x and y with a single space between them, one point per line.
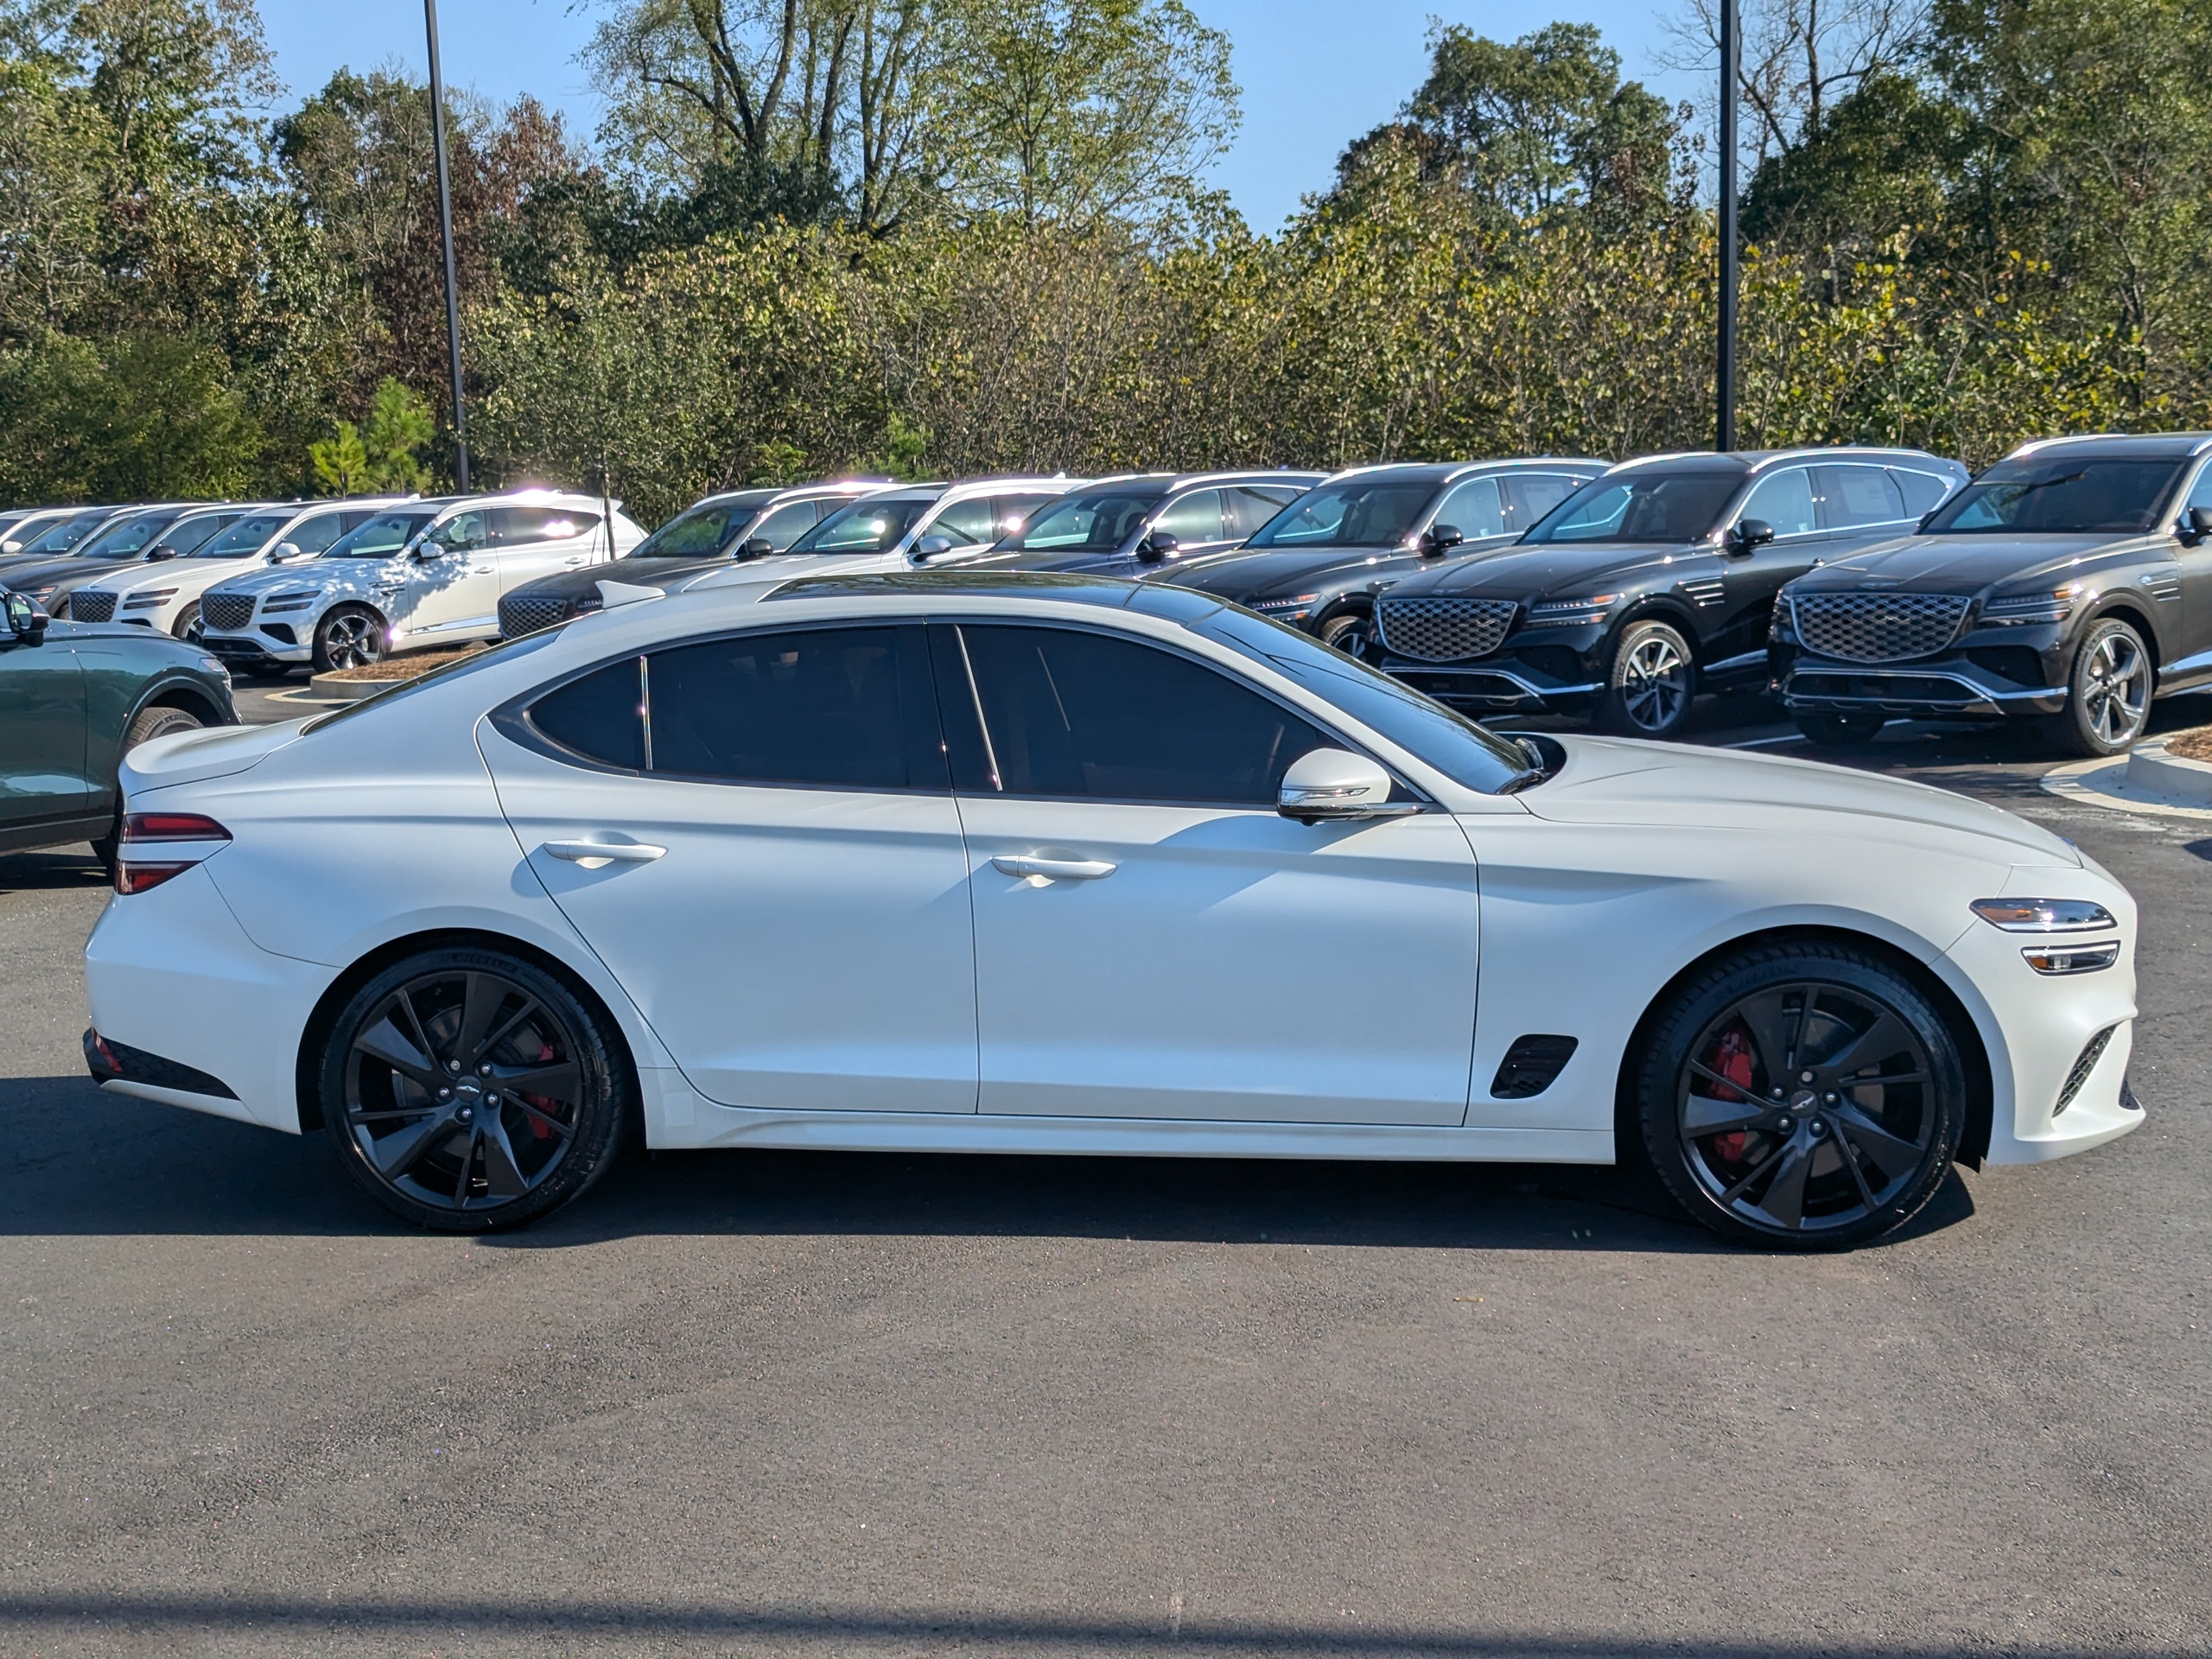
pixel 1842 731
pixel 468 1089
pixel 147 723
pixel 351 636
pixel 2109 692
pixel 1805 1096
pixel 1652 685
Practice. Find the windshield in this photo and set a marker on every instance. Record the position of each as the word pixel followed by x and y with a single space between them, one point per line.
pixel 186 536
pixel 2056 496
pixel 1452 744
pixel 1654 507
pixel 129 538
pixel 872 526
pixel 382 537
pixel 244 537
pixel 698 532
pixel 59 539
pixel 1096 520
pixel 1359 513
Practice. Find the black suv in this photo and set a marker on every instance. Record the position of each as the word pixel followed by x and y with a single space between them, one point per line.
pixel 1652 583
pixel 1143 524
pixel 710 533
pixel 1320 563
pixel 2071 582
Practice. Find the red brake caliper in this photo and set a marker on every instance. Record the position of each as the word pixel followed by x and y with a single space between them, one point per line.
pixel 537 1126
pixel 1732 1058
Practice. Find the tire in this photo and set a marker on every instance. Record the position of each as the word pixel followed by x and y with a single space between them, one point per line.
pixel 1830 1164
pixel 156 721
pixel 187 625
pixel 1651 683
pixel 1347 631
pixel 2109 691
pixel 349 636
pixel 1842 731
pixel 465 1020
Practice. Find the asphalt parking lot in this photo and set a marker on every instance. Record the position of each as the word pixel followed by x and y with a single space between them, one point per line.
pixel 778 1403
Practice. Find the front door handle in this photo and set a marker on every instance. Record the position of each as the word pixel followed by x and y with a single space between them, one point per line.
pixel 1052 869
pixel 593 854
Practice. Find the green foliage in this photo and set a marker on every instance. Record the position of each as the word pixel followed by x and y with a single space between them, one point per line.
pixel 142 417
pixel 381 456
pixel 341 461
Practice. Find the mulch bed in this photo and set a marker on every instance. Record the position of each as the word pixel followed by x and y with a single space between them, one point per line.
pixel 410 666
pixel 2194 744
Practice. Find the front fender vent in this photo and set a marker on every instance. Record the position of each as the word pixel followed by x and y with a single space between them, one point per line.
pixel 1530 1066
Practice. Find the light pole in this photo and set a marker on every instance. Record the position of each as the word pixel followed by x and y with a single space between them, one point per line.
pixel 1731 52
pixel 445 232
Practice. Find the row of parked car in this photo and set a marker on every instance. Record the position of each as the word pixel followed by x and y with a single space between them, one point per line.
pixel 2071 582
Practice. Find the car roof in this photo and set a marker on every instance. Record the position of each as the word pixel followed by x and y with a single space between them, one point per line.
pixel 2141 446
pixel 1192 480
pixel 1748 461
pixel 1149 599
pixel 1440 472
pixel 763 494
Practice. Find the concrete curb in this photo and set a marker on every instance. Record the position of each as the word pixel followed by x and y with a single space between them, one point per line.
pixel 2152 770
pixel 331 688
pixel 2145 780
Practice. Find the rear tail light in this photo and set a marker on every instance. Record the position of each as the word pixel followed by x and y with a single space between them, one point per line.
pixel 158 845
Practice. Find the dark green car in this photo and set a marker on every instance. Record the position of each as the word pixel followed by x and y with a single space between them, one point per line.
pixel 74 698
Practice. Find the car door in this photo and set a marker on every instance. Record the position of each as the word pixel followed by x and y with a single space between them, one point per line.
pixel 455 592
pixel 1248 506
pixel 43 742
pixel 1194 520
pixel 2185 643
pixel 528 543
pixel 788 523
pixel 784 891
pixel 1152 938
pixel 1474 508
pixel 1741 587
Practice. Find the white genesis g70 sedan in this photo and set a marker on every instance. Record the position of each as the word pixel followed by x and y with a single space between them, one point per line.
pixel 989 863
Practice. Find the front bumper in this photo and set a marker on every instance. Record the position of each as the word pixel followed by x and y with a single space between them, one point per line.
pixel 259 646
pixel 1989 673
pixel 1556 669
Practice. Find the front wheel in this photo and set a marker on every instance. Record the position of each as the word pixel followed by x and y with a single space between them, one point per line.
pixel 1841 731
pixel 1802 1095
pixel 1652 682
pixel 1347 631
pixel 146 724
pixel 351 636
pixel 2109 692
pixel 468 1089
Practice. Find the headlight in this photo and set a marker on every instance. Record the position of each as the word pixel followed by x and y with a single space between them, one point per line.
pixel 1555 612
pixel 2055 605
pixel 1293 607
pixel 2042 915
pixel 152 596
pixel 2072 958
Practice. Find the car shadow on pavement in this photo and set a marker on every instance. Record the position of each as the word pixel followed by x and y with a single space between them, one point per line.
pixel 81 1162
pixel 66 869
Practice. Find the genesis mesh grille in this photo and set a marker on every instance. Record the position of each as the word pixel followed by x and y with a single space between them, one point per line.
pixel 89 605
pixel 1443 630
pixel 1878 627
pixel 227 611
pixel 521 613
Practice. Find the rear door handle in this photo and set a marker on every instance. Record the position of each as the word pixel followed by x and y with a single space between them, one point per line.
pixel 593 854
pixel 1053 869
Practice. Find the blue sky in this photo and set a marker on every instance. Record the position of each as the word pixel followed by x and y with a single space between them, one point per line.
pixel 1315 73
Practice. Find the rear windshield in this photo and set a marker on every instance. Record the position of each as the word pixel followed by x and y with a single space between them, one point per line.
pixel 871 526
pixel 1358 513
pixel 1654 507
pixel 2052 495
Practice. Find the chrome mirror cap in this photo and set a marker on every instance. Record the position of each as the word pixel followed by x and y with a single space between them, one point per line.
pixel 1337 784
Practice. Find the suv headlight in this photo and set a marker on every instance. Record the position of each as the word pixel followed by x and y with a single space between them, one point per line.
pixel 1293 607
pixel 2044 915
pixel 2055 606
pixel 1554 613
pixel 151 597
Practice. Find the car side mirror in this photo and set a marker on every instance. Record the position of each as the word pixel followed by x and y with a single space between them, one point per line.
pixel 160 551
pixel 2199 522
pixel 754 547
pixel 1438 537
pixel 284 552
pixel 1157 545
pixel 26 622
pixel 930 546
pixel 1748 534
pixel 1335 783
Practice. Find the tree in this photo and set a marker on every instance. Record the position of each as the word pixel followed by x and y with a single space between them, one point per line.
pixel 143 416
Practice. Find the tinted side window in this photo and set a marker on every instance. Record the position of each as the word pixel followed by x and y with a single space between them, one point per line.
pixel 1923 492
pixel 1474 508
pixel 1850 497
pixel 847 707
pixel 1250 506
pixel 1529 496
pixel 313 535
pixel 787 525
pixel 1784 501
pixel 510 526
pixel 964 521
pixel 462 531
pixel 1013 511
pixel 1073 713
pixel 599 717
pixel 1193 518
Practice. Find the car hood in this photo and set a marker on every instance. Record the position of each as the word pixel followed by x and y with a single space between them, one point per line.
pixel 135 577
pixel 348 576
pixel 1627 781
pixel 70 568
pixel 209 752
pixel 1965 564
pixel 1271 572
pixel 667 574
pixel 1521 570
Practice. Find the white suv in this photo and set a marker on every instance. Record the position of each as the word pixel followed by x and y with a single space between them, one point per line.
pixel 418 574
pixel 167 594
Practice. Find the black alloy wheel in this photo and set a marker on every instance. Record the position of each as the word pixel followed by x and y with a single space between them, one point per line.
pixel 351 636
pixel 1842 731
pixel 2109 691
pixel 468 1089
pixel 1804 1096
pixel 1348 631
pixel 1652 683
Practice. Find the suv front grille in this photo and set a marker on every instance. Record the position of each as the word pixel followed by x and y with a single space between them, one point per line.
pixel 521 613
pixel 1877 628
pixel 227 611
pixel 87 605
pixel 1443 630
